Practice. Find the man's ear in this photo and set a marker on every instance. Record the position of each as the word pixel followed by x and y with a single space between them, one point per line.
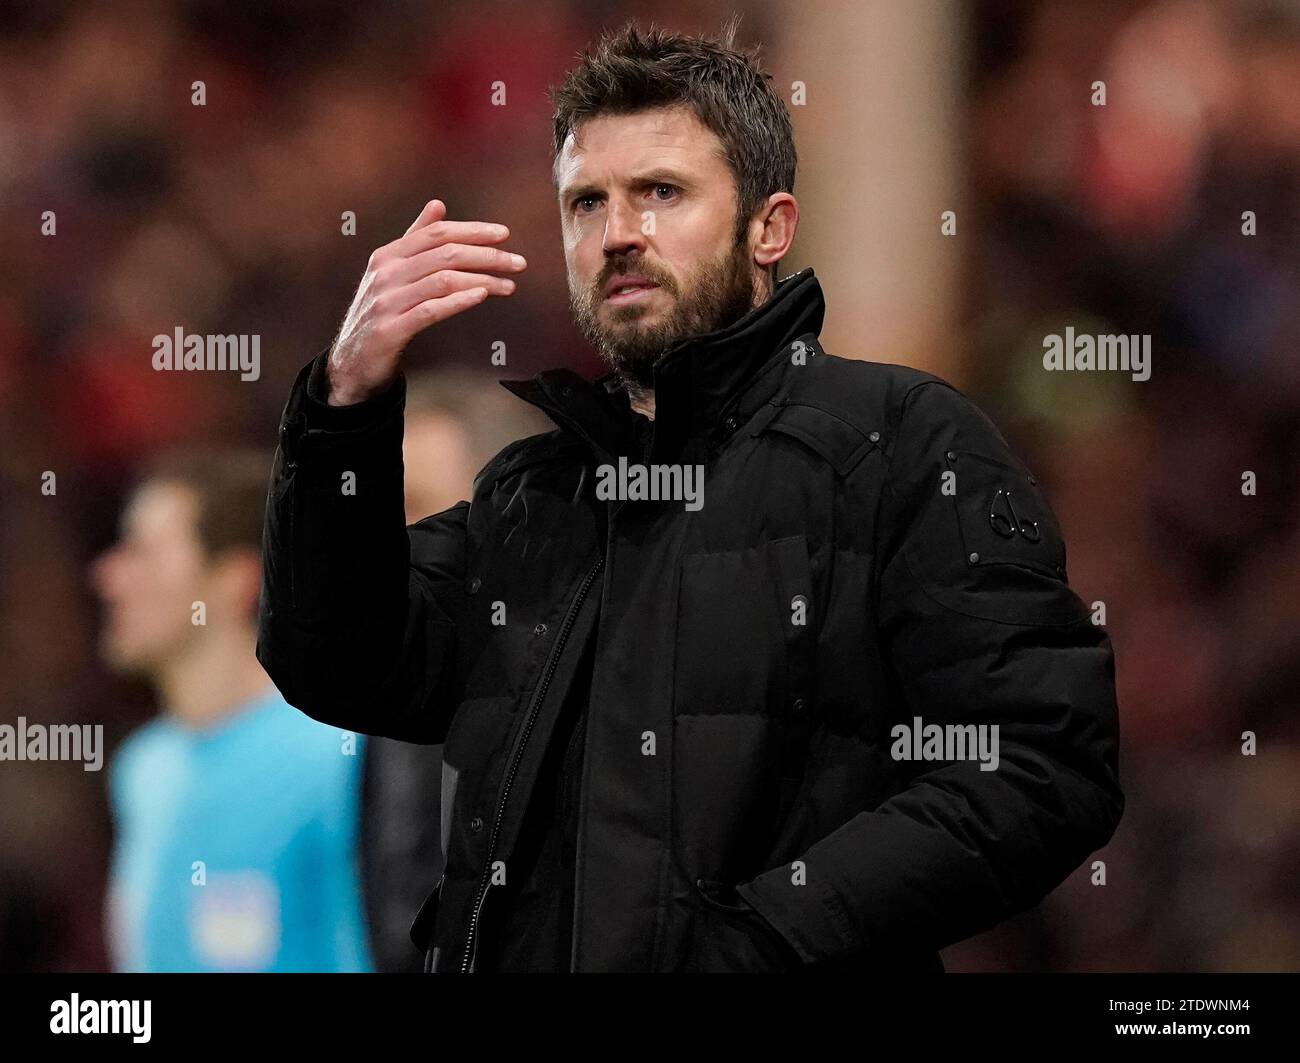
pixel 778 219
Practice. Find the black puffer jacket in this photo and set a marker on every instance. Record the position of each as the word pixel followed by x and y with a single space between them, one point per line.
pixel 732 752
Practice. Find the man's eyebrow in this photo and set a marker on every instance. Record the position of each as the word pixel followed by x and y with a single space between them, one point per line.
pixel 658 175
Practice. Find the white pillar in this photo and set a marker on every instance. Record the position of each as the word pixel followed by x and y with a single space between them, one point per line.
pixel 880 145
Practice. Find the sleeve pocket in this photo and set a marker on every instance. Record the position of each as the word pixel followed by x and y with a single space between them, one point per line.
pixel 990 547
pixel 1003 517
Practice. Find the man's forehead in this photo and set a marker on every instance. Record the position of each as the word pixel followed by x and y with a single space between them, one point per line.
pixel 160 503
pixel 640 140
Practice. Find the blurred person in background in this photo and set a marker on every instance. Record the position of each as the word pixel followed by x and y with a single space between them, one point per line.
pixel 236 816
pixel 456 420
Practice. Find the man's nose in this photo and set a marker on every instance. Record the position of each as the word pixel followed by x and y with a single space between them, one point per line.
pixel 623 228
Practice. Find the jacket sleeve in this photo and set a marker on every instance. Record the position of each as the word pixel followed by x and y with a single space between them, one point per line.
pixel 357 616
pixel 977 626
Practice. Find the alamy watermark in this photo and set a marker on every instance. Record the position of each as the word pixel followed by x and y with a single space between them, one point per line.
pixel 1125 354
pixel 60 741
pixel 214 353
pixel 651 483
pixel 102 1016
pixel 948 742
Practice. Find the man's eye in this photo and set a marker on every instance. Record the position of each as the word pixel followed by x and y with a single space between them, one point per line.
pixel 577 203
pixel 672 190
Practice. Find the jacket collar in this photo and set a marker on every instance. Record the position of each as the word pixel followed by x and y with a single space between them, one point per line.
pixel 698 383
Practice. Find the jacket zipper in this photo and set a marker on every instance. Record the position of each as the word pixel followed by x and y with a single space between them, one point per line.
pixel 538 696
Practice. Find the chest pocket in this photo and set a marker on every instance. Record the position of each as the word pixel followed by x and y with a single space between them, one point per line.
pixel 796 609
pixel 745 630
pixel 839 443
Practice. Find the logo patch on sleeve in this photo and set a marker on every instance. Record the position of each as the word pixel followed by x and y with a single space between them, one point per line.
pixel 1002 515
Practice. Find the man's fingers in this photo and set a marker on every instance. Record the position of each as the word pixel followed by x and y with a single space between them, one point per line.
pixel 448 281
pixel 432 272
pixel 459 257
pixel 434 210
pixel 431 311
pixel 444 232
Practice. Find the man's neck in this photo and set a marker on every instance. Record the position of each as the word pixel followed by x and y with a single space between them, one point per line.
pixel 642 398
pixel 214 679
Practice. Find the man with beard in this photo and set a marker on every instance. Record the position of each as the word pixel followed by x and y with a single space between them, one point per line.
pixel 669 733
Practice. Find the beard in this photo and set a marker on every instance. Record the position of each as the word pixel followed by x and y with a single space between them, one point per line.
pixel 716 294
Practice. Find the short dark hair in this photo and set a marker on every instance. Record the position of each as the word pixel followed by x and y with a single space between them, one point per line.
pixel 630 70
pixel 229 487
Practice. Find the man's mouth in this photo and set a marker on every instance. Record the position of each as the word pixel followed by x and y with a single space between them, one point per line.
pixel 631 294
pixel 628 289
